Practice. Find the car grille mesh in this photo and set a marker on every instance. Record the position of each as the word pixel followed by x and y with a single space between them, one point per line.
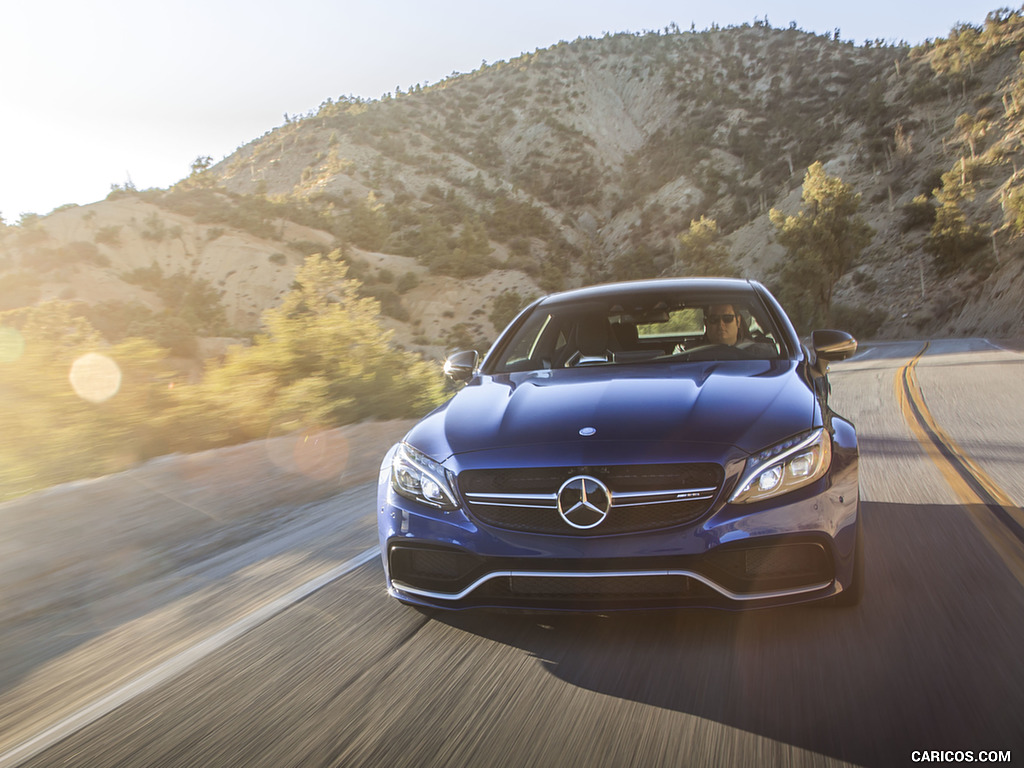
pixel 600 592
pixel 605 586
pixel 644 497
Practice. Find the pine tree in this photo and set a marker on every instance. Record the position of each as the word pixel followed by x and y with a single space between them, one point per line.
pixel 823 241
pixel 701 252
pixel 324 360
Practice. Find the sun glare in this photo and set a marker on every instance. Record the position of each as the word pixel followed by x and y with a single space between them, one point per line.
pixel 12 344
pixel 95 377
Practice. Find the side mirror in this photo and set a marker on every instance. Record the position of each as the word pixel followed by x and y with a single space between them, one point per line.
pixel 831 347
pixel 460 365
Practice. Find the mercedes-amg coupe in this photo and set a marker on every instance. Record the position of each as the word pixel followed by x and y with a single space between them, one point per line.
pixel 651 444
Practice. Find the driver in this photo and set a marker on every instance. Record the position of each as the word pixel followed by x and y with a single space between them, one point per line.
pixel 723 325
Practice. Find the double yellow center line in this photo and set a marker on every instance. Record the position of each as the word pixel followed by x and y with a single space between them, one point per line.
pixel 971 484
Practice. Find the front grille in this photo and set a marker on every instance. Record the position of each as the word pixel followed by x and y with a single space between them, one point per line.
pixel 429 568
pixel 637 587
pixel 595 592
pixel 762 567
pixel 643 497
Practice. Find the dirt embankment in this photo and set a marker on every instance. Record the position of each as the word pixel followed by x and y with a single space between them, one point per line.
pixel 81 540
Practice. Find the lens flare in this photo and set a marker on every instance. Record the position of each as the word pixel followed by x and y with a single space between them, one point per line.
pixel 316 453
pixel 12 345
pixel 95 377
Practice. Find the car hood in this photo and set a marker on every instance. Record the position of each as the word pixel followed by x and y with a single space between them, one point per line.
pixel 745 405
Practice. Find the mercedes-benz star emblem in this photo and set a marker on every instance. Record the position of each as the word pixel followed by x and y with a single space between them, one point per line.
pixel 584 501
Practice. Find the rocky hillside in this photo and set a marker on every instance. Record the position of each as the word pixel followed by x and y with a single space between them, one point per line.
pixel 580 163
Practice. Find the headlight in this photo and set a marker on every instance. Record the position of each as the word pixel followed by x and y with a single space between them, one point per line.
pixel 420 478
pixel 785 467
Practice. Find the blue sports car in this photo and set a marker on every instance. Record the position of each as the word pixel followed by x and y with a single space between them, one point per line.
pixel 650 444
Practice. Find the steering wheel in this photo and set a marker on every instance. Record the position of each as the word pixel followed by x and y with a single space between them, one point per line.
pixel 711 352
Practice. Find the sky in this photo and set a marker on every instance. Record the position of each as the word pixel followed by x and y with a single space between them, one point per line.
pixel 103 92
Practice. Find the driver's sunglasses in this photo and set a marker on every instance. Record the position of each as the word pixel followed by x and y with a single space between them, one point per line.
pixel 721 318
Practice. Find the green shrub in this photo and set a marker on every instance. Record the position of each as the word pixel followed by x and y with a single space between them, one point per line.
pixel 323 359
pixel 110 235
pixel 19 289
pixel 865 282
pixel 920 212
pixel 155 229
pixel 116 320
pixel 190 298
pixel 83 251
pixel 465 336
pixel 390 301
pixel 505 307
pixel 1014 210
pixel 407 282
pixel 955 244
pixel 146 277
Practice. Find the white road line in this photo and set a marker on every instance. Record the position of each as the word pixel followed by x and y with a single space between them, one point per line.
pixel 1000 347
pixel 862 355
pixel 175 665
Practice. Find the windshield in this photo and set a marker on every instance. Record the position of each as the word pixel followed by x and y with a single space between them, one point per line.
pixel 632 329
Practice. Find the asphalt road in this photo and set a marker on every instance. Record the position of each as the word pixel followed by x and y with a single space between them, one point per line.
pixel 931 660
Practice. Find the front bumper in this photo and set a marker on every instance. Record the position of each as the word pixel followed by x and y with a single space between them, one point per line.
pixel 786 569
pixel 738 556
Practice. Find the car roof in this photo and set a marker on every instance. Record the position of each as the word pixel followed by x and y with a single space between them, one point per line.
pixel 689 285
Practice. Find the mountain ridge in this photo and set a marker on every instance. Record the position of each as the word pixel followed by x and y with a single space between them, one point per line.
pixel 582 163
